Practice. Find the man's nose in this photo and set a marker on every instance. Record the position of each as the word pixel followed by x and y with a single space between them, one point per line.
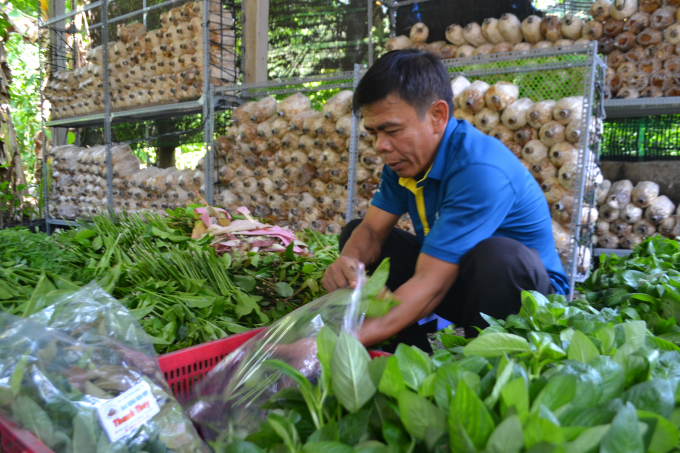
pixel 381 144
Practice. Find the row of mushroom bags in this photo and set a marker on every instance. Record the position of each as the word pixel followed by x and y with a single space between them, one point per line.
pixel 640 38
pixel 158 66
pixel 283 160
pixel 628 214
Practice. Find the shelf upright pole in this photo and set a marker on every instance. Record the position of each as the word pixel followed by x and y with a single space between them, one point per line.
pixel 208 116
pixel 584 169
pixel 392 11
pixel 369 6
pixel 107 101
pixel 44 171
pixel 353 153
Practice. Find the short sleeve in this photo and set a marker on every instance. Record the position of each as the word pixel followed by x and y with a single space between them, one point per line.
pixel 390 196
pixel 478 199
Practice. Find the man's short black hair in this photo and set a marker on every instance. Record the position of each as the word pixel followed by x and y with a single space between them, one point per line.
pixel 419 78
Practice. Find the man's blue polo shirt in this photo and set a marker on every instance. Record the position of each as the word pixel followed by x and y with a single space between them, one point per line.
pixel 475 189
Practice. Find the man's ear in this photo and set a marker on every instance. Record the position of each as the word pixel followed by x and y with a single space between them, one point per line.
pixel 439 112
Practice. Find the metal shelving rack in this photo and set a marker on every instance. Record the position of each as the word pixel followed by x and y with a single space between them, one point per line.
pixel 339 80
pixel 636 108
pixel 205 105
pixel 587 68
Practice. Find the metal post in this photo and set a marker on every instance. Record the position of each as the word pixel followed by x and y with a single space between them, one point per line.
pixel 584 166
pixel 44 171
pixel 145 13
pixel 207 108
pixel 146 144
pixel 392 11
pixel 369 4
pixel 353 153
pixel 107 101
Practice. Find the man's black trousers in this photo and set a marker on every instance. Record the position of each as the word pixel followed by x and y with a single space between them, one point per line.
pixel 491 278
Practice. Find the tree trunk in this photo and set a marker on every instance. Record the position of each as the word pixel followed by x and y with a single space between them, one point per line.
pixel 165 149
pixel 165 156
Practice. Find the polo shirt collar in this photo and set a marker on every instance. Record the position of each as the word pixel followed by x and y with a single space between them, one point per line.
pixel 437 169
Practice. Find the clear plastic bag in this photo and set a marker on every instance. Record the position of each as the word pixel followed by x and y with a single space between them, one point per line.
pixel 228 403
pixel 83 376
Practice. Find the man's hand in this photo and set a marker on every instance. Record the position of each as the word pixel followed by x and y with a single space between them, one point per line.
pixel 419 296
pixel 343 272
pixel 363 247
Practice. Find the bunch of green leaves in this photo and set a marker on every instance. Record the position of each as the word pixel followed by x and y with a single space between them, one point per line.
pixel 181 292
pixel 20 246
pixel 643 285
pixel 554 378
pixel 33 269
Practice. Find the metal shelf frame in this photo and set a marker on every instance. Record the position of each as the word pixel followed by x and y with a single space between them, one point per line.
pixel 344 79
pixel 586 57
pixel 205 105
pixel 640 107
pixel 618 252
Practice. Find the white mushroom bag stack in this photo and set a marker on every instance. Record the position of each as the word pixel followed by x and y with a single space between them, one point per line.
pixel 288 162
pixel 150 67
pixel 629 214
pixel 79 187
pixel 641 39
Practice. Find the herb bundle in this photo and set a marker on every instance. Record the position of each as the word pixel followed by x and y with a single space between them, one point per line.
pixel 181 291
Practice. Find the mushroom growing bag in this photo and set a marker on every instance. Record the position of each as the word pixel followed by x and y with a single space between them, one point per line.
pixel 83 377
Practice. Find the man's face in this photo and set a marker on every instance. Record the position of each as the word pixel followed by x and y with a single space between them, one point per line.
pixel 406 142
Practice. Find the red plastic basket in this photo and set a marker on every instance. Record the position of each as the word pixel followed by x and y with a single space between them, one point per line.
pixel 182 369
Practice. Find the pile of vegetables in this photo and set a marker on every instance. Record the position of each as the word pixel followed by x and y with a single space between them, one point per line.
pixel 180 289
pixel 553 378
pixel 599 374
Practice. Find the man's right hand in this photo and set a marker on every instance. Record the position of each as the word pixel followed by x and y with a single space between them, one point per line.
pixel 343 272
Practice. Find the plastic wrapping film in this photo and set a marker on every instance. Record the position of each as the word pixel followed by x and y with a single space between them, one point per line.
pixel 83 376
pixel 227 404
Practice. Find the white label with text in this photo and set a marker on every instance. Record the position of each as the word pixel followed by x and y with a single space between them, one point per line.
pixel 128 411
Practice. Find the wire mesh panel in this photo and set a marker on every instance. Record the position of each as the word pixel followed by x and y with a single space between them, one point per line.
pixel 642 139
pixel 308 37
pixel 284 154
pixel 572 76
pixel 439 14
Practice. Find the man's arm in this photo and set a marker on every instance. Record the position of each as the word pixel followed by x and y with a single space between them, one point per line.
pixel 362 247
pixel 419 297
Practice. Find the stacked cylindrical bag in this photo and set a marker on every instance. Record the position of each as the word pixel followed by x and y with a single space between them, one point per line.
pixel 641 39
pixel 79 187
pixel 545 136
pixel 150 67
pixel 629 213
pixel 289 163
pixel 284 161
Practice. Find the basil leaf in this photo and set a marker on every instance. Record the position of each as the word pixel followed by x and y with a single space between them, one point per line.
pixel 351 382
pixel 559 391
pixel 470 423
pixel 505 438
pixel 581 348
pixel 624 434
pixel 515 395
pixel 496 344
pixel 378 280
pixel 413 365
pixel 418 414
pixel 655 396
